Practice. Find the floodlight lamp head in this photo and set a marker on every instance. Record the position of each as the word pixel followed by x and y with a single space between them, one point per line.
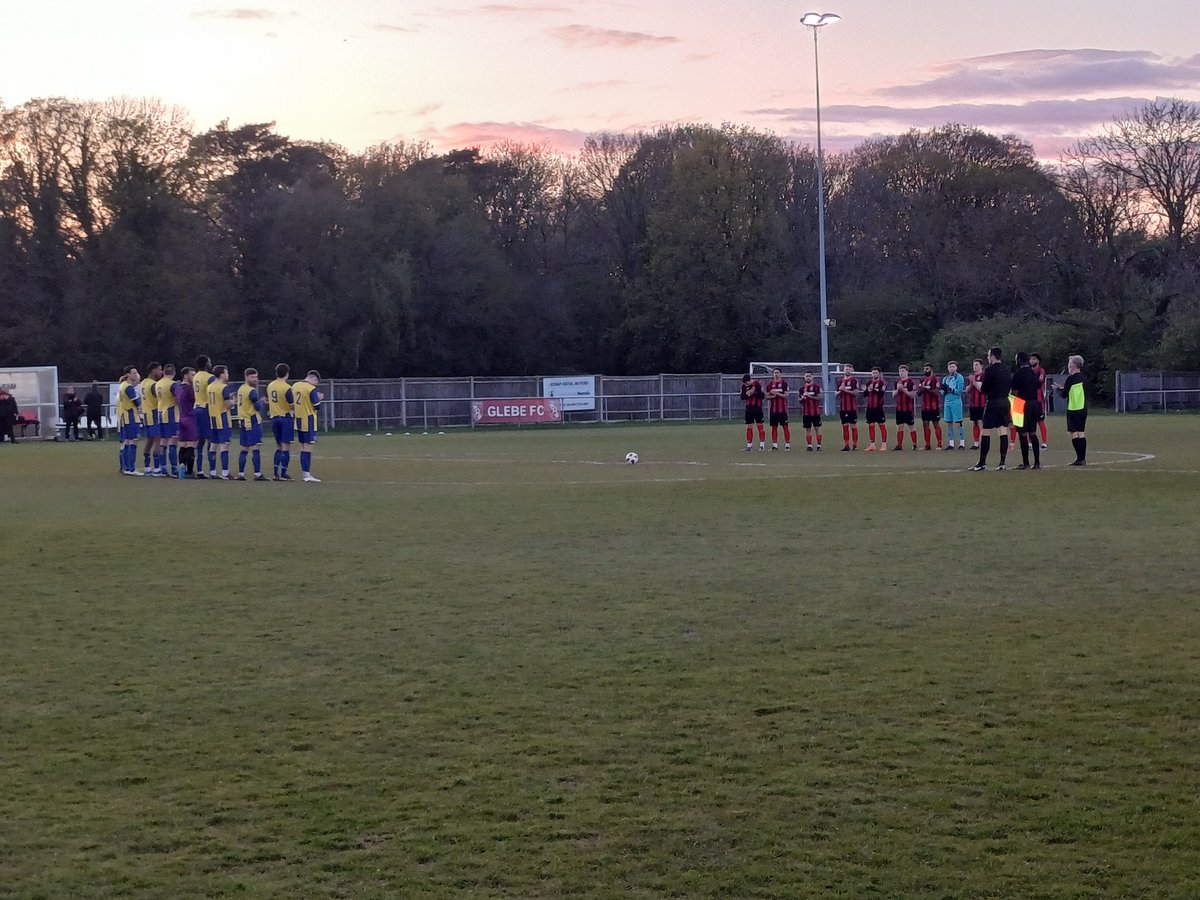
pixel 817 20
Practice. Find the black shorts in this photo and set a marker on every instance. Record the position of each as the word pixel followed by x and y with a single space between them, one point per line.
pixel 1076 420
pixel 975 413
pixel 778 419
pixel 905 418
pixel 812 421
pixel 876 416
pixel 849 417
pixel 997 414
pixel 931 415
pixel 754 414
pixel 1033 414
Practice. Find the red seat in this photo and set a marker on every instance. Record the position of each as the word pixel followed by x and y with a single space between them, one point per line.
pixel 29 418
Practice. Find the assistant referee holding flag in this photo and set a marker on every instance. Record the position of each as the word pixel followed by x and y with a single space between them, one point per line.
pixel 997 382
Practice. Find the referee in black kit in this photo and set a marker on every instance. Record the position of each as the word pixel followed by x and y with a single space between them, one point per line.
pixel 997 381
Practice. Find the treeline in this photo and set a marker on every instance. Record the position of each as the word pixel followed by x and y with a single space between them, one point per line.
pixel 124 233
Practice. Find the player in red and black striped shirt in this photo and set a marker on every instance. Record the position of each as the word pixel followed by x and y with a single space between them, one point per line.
pixel 976 401
pixel 777 393
pixel 905 393
pixel 810 408
pixel 931 404
pixel 1036 362
pixel 752 395
pixel 876 390
pixel 847 393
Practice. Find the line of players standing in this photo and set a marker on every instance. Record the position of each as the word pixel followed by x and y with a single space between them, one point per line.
pixel 940 396
pixel 180 419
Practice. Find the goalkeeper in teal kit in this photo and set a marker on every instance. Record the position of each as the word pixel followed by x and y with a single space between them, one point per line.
pixel 953 386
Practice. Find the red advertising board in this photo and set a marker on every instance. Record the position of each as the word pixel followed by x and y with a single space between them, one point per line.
pixel 517 411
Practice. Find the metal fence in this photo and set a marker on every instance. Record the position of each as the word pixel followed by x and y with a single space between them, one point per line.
pixel 373 404
pixel 1157 391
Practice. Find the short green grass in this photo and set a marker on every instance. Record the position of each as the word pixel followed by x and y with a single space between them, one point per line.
pixel 505 664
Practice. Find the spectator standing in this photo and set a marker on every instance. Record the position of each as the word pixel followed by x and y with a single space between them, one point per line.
pixel 8 416
pixel 72 412
pixel 93 405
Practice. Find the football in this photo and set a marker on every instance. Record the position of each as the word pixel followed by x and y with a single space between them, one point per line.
pixel 631 458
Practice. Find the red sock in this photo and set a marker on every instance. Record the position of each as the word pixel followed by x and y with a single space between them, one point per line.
pixel 1042 429
pixel 899 437
pixel 808 438
pixel 762 432
pixel 871 432
pixel 774 434
pixel 913 433
pixel 883 433
pixel 787 434
pixel 975 431
pixel 854 431
pixel 818 439
pixel 925 428
pixel 846 435
pixel 749 433
pixel 937 429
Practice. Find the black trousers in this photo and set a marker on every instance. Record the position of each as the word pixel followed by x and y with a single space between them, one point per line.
pixel 94 421
pixel 6 431
pixel 69 424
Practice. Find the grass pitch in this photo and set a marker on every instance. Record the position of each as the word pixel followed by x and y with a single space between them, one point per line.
pixel 507 664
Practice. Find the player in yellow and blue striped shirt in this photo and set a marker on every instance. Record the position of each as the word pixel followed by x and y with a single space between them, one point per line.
pixel 281 408
pixel 220 396
pixel 200 383
pixel 307 399
pixel 249 425
pixel 128 401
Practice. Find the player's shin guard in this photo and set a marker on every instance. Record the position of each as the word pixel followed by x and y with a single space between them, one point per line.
pixel 846 435
pixel 749 439
pixel 285 457
pixel 925 429
pixel 787 434
pixel 224 462
pixel 1003 447
pixel 774 439
pixel 173 457
pixel 306 460
pixel 975 429
pixel 871 432
pixel 762 432
pixel 212 460
pixel 256 460
pixel 883 434
pixel 854 434
pixel 937 431
pixel 242 462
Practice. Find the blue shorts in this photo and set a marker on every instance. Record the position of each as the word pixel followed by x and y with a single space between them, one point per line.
pixel 169 430
pixel 306 437
pixel 203 425
pixel 130 431
pixel 284 428
pixel 221 436
pixel 953 410
pixel 250 437
pixel 153 430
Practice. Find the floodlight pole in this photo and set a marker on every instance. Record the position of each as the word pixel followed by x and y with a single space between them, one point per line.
pixel 817 21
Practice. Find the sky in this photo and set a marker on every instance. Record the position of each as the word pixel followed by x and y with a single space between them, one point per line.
pixel 460 73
